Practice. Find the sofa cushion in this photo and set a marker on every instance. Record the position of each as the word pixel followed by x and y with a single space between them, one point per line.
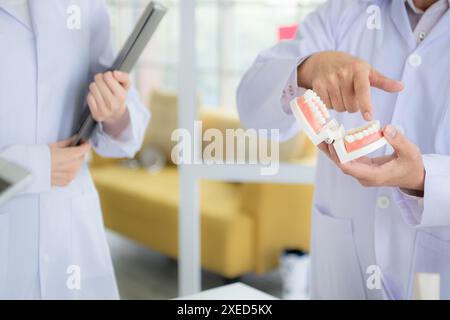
pixel 164 109
pixel 144 207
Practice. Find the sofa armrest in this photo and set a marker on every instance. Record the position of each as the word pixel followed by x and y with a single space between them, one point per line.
pixel 97 161
pixel 282 219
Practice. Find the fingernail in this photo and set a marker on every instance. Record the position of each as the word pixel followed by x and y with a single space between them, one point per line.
pixel 390 131
pixel 368 116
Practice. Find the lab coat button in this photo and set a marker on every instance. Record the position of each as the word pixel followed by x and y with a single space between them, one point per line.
pixel 415 60
pixel 46 258
pixel 383 202
pixel 422 35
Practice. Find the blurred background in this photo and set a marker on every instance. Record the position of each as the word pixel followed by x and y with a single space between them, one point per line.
pixel 230 33
pixel 246 228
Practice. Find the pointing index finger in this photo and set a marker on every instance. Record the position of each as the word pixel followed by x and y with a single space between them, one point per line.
pixel 363 95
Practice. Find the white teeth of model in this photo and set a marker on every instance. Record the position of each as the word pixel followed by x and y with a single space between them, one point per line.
pixel 359 136
pixel 349 139
pixel 366 133
pixel 319 118
pixel 316 113
pixel 312 105
pixel 324 109
pixel 316 104
pixel 377 125
pixel 309 94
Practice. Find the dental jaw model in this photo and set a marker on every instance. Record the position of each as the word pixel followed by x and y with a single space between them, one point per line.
pixel 314 119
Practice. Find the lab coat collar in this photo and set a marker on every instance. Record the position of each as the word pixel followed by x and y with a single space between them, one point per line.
pixel 400 18
pixel 413 7
pixel 417 10
pixel 378 1
pixel 439 30
pixel 36 16
pixel 12 12
pixel 45 41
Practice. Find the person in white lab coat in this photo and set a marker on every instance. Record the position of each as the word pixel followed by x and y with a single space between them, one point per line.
pixel 52 239
pixel 376 222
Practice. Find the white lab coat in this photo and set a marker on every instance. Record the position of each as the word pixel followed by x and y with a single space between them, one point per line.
pixel 49 234
pixel 356 227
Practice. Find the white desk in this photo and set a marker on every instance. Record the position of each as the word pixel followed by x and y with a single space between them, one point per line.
pixel 235 291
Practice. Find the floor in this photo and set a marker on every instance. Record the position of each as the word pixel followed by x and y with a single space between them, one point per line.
pixel 143 274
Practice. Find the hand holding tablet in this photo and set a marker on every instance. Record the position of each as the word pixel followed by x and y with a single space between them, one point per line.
pixel 126 60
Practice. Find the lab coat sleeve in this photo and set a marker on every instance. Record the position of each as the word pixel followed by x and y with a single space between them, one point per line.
pixel 102 56
pixel 34 158
pixel 268 86
pixel 433 210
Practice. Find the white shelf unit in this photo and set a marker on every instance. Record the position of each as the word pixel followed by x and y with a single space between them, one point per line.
pixel 189 272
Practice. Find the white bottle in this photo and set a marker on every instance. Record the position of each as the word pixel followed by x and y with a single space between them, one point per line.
pixel 427 286
pixel 294 268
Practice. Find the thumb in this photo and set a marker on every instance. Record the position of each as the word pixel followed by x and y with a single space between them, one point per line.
pixel 78 151
pixel 123 78
pixel 397 140
pixel 382 82
pixel 84 148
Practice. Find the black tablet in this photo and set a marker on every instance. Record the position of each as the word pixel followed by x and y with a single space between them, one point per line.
pixel 126 60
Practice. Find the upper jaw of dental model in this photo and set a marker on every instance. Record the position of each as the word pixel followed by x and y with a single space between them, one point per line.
pixel 363 136
pixel 314 110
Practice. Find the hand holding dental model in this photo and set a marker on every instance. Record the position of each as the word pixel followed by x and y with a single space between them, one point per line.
pixel 343 82
pixel 403 169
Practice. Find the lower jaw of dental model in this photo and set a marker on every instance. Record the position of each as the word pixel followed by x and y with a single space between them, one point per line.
pixel 314 119
pixel 360 142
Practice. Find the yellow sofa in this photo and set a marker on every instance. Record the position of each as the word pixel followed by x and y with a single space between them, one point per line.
pixel 244 227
